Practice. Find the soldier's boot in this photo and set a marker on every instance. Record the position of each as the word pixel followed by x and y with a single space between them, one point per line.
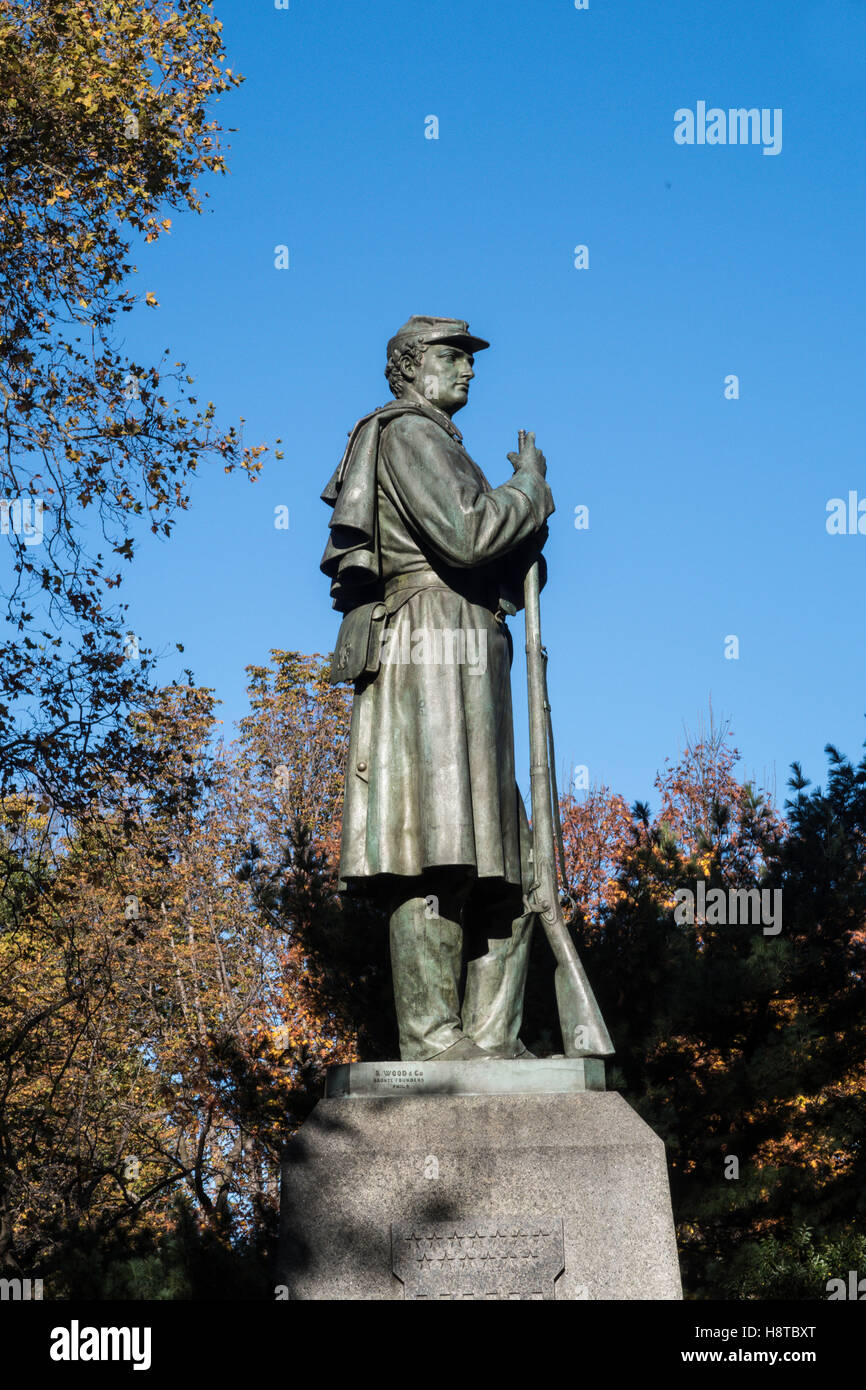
pixel 426 961
pixel 493 999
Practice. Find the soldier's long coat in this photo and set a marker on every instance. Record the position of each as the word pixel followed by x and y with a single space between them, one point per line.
pixel 430 778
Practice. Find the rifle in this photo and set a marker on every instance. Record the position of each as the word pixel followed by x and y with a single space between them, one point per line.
pixel 583 1029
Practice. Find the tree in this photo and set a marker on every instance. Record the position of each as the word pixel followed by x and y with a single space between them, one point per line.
pixel 744 1050
pixel 173 995
pixel 810 1129
pixel 132 984
pixel 103 129
pixel 291 754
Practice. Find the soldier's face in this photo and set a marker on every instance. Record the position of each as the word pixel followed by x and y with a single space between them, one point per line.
pixel 445 376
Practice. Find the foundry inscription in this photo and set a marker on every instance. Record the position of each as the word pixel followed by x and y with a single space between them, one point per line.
pixel 396 1078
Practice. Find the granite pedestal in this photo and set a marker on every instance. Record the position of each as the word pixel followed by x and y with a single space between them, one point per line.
pixel 422 1185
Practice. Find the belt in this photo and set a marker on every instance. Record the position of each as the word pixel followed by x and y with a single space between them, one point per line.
pixel 429 579
pixel 414 579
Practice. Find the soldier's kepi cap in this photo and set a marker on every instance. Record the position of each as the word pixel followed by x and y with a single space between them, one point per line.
pixel 432 330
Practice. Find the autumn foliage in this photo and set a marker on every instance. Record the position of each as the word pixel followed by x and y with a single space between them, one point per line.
pixel 163 1028
pixel 744 1049
pixel 105 127
pixel 175 981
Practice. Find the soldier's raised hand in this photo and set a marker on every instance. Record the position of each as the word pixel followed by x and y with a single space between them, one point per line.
pixel 529 458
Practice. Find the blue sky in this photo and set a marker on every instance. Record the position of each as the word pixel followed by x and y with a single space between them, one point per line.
pixel 707 515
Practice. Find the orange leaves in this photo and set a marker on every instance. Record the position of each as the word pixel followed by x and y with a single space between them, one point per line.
pixel 596 832
pixel 152 227
pixel 701 1064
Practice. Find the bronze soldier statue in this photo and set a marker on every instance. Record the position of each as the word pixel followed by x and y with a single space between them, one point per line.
pixel 427 561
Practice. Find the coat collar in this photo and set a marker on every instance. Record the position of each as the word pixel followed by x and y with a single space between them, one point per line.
pixel 434 412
